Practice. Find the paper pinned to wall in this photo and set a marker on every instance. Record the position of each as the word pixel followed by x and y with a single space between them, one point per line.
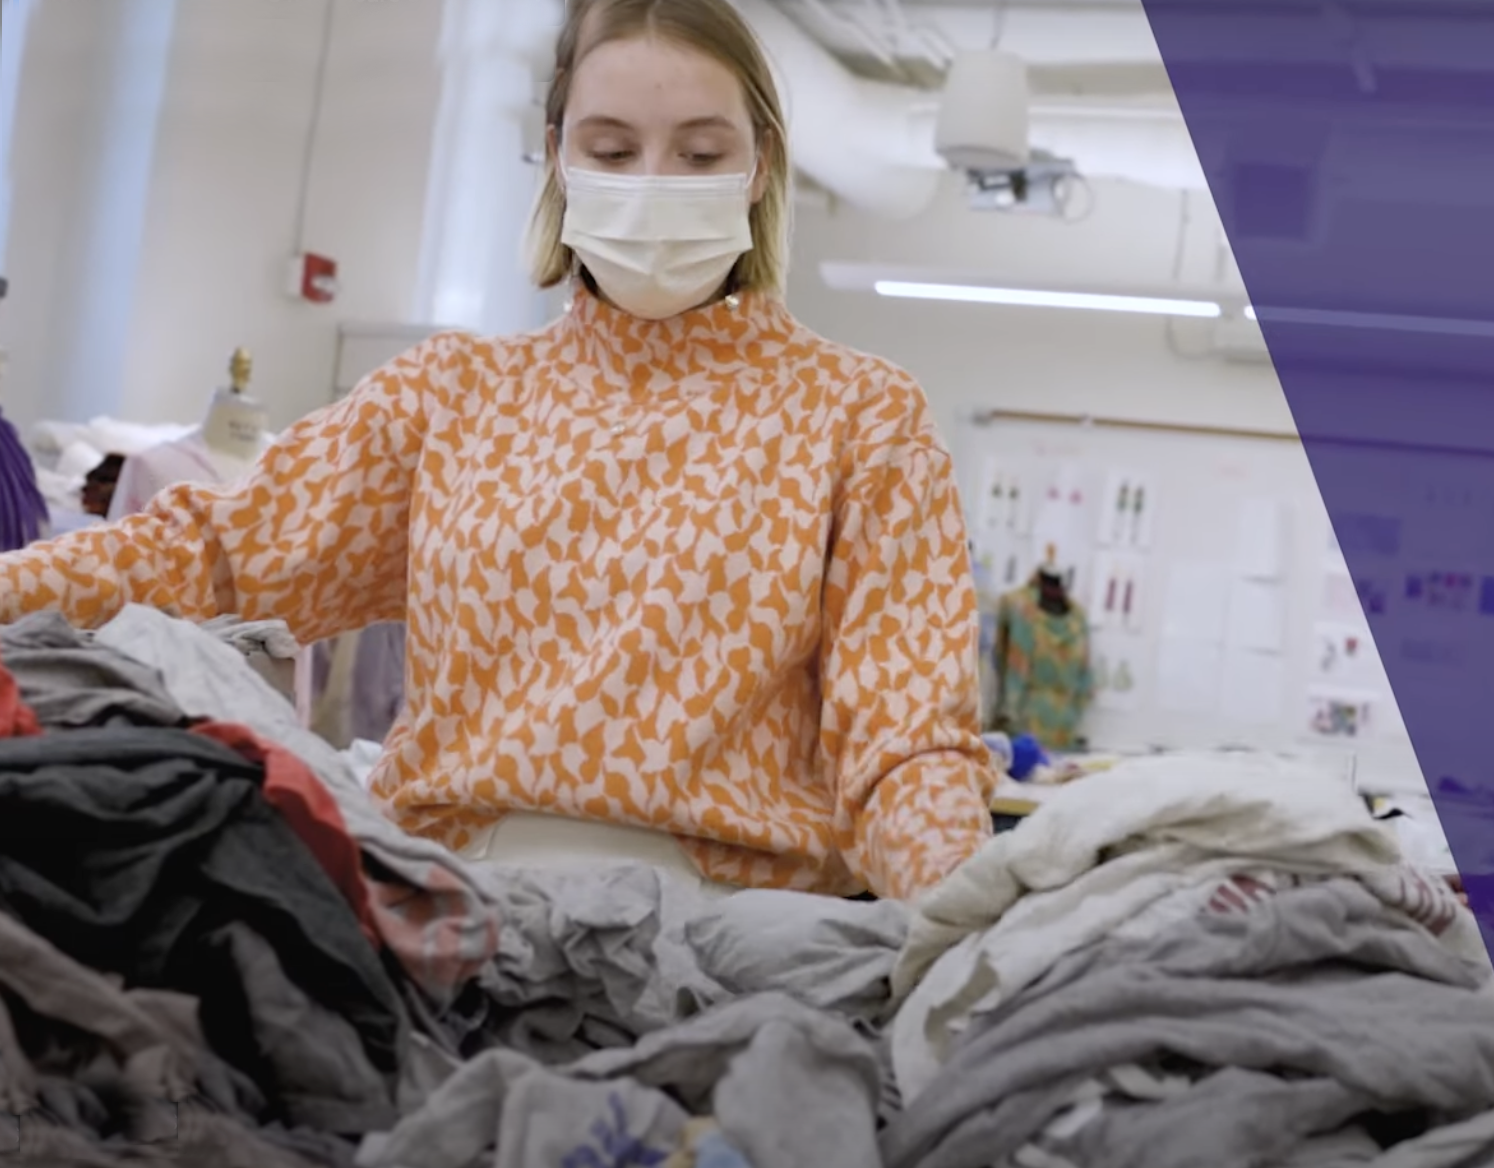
pixel 1345 655
pixel 1261 540
pixel 1116 662
pixel 1197 602
pixel 1188 676
pixel 1340 714
pixel 1257 616
pixel 1253 688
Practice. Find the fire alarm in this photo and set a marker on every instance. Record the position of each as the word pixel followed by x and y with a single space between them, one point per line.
pixel 312 278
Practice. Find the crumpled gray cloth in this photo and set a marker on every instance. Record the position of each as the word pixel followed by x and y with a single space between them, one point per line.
pixel 269 647
pixel 70 682
pixel 787 1085
pixel 272 638
pixel 1317 1005
pixel 210 679
pixel 609 942
pixel 591 959
pixel 832 954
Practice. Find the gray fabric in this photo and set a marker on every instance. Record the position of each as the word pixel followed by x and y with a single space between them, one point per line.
pixel 1469 1144
pixel 55 986
pixel 322 1077
pixel 69 682
pixel 534 1116
pixel 714 1150
pixel 209 679
pixel 132 1062
pixel 1323 984
pixel 587 959
pixel 270 638
pixel 609 942
pixel 268 647
pixel 1252 1112
pixel 1349 1148
pixel 788 1085
pixel 833 954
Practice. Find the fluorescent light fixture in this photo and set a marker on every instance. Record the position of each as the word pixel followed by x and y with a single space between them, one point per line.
pixel 1377 322
pixel 1031 298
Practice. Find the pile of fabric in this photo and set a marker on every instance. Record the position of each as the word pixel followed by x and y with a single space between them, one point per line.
pixel 1184 960
pixel 214 950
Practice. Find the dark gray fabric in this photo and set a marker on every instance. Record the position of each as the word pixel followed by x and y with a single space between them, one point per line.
pixel 68 681
pixel 132 850
pixel 1324 985
pixel 312 1059
pixel 95 1075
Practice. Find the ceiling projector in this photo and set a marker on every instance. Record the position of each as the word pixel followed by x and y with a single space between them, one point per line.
pixel 982 130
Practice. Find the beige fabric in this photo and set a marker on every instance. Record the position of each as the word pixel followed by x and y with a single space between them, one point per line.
pixel 532 840
pixel 329 717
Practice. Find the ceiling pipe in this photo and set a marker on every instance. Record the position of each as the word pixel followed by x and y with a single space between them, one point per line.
pixel 871 144
pixel 861 140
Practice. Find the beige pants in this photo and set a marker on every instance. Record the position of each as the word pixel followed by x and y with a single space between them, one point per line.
pixel 531 840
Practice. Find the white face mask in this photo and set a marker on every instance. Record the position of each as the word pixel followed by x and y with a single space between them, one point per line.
pixel 657 245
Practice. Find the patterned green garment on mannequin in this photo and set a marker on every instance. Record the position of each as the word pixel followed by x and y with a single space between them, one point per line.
pixel 1043 662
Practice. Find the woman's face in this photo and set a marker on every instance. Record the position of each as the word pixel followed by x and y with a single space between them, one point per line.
pixel 645 106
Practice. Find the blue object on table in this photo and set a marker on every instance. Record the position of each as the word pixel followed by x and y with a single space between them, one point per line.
pixel 1027 756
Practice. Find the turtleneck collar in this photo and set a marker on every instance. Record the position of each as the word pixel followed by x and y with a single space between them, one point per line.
pixel 684 354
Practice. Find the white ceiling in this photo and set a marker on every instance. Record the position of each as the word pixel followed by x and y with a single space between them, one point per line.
pixel 1100 48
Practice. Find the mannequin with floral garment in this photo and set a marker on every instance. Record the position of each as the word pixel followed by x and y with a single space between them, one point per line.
pixel 1042 660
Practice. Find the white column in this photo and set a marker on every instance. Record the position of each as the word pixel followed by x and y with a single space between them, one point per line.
pixel 481 189
pixel 14 15
pixel 93 308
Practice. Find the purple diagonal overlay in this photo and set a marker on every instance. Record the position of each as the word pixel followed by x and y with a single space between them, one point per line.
pixel 1349 146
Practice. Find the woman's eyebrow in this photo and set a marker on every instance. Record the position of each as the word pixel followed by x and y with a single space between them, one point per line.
pixel 603 121
pixel 709 122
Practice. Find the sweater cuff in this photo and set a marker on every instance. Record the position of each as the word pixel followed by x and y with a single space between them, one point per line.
pixel 923 821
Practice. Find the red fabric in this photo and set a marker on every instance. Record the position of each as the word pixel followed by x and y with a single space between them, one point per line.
pixel 312 813
pixel 16 718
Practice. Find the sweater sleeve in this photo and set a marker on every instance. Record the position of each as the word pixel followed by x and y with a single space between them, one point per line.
pixel 317 535
pixel 900 727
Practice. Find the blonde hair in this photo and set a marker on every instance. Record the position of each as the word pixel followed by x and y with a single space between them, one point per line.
pixel 712 27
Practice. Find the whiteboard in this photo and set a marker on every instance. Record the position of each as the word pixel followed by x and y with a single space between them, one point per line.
pixel 1202 568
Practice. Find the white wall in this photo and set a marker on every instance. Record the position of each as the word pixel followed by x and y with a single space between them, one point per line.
pixel 973 357
pixel 219 227
pixel 222 217
pixel 970 357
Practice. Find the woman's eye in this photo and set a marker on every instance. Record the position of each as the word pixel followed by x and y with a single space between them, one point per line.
pixel 703 159
pixel 612 157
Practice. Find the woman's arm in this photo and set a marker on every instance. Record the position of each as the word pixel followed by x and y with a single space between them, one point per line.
pixel 317 535
pixel 901 691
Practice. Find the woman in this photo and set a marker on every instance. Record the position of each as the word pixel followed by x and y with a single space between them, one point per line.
pixel 682 579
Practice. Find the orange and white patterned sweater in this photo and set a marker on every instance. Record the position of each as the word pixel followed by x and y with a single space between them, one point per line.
pixel 707 575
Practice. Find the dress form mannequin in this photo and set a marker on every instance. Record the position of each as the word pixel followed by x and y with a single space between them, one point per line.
pixel 222 450
pixel 235 427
